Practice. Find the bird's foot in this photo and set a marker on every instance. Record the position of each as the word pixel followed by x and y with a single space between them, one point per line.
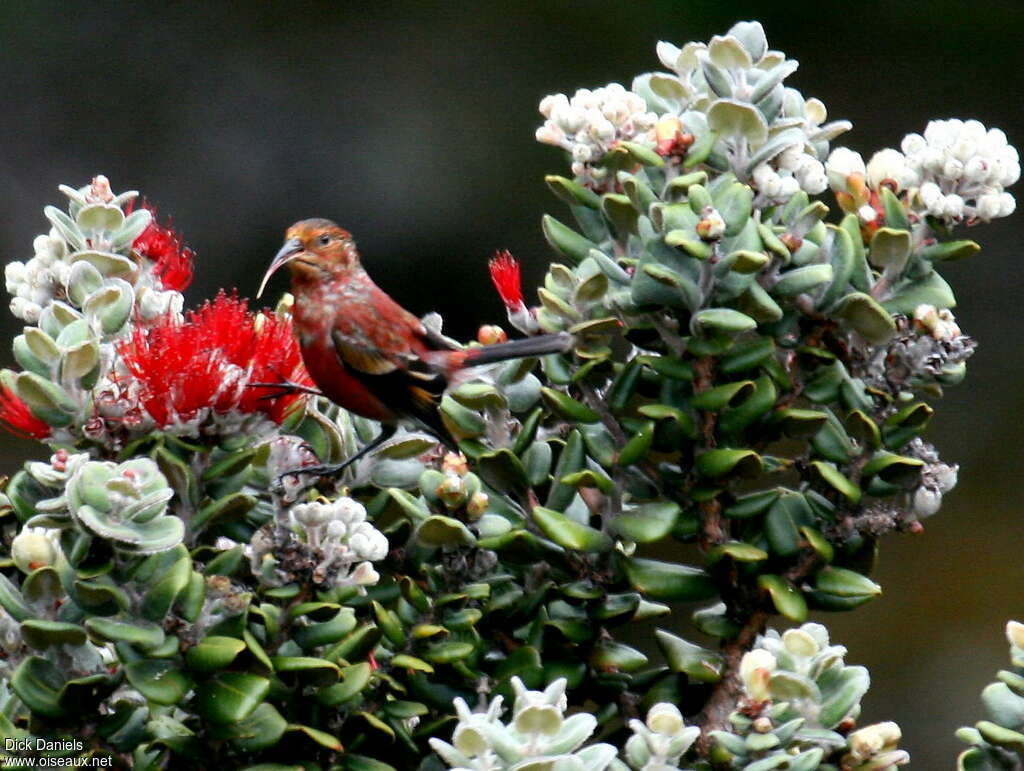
pixel 279 487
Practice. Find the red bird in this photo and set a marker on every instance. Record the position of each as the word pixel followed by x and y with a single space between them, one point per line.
pixel 365 352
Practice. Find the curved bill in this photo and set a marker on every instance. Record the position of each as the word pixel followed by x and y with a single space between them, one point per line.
pixel 288 251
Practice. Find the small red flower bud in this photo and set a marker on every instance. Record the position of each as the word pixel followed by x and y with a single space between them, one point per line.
pixel 489 334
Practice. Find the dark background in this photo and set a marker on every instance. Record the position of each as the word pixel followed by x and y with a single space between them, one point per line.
pixel 412 124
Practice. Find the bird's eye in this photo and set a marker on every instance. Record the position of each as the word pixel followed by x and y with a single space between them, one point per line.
pixel 324 239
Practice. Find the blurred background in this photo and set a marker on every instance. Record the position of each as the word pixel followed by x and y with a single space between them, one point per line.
pixel 411 123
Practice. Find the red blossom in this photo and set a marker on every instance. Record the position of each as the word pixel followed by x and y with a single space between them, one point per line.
pixel 505 276
pixel 172 261
pixel 17 418
pixel 208 360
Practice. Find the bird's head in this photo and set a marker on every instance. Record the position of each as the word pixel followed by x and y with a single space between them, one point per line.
pixel 314 250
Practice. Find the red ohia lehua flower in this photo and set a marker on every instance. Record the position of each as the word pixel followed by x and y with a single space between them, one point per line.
pixel 207 360
pixel 172 261
pixel 506 278
pixel 17 418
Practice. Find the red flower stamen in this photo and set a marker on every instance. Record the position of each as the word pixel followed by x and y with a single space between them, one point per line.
pixel 172 261
pixel 505 276
pixel 17 418
pixel 208 360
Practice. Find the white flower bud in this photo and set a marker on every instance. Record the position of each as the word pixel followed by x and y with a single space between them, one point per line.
pixel 867 213
pixel 365 575
pixel 870 740
pixel 582 153
pixel 889 164
pixel 313 514
pixel 551 134
pixel 953 206
pixel 913 144
pixel 988 206
pixel 926 502
pixel 551 102
pixel 756 668
pixel 841 163
pixel 1015 633
pixel 25 310
pixel 931 196
pixel 1007 204
pixel 35 547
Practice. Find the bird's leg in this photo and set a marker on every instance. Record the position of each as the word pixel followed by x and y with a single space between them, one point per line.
pixel 332 469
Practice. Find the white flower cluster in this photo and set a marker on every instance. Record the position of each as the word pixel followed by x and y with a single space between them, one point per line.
pixel 591 123
pixel 659 743
pixel 956 170
pixel 963 169
pixel 788 173
pixel 339 530
pixel 539 736
pixel 36 283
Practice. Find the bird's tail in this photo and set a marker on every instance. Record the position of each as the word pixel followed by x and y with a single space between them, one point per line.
pixel 541 345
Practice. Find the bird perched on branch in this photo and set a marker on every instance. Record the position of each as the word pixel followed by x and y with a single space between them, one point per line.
pixel 365 352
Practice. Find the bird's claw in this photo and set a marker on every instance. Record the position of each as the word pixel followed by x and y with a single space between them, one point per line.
pixel 323 470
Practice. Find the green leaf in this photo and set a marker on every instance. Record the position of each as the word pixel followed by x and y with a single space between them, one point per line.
pixel 785 516
pixel 835 479
pixel 42 633
pixel 890 248
pixel 134 632
pixel 721 319
pixel 930 290
pixel 787 599
pixel 437 531
pixel 230 696
pixel 867 317
pixel 800 280
pixel 647 523
pixel 737 550
pixel 845 589
pixel 950 250
pixel 733 118
pixel 326 632
pixel 213 653
pixel 568 533
pixel 259 731
pixel 322 738
pixel 448 652
pixel 719 397
pixel 668 581
pixel 38 683
pixel 159 680
pixel 227 509
pixel 721 461
pixel 699 664
pixel 567 407
pixel 565 240
pixel 572 193
pixel 354 679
